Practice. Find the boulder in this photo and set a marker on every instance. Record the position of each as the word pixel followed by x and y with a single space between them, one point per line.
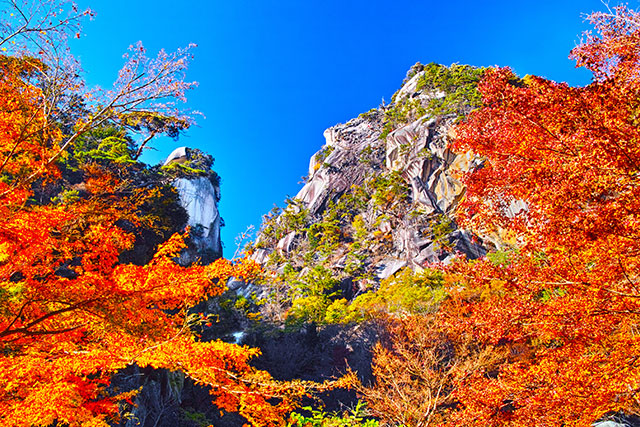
pixel 286 243
pixel 179 155
pixel 388 267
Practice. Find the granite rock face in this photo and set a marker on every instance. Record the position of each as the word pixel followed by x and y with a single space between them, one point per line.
pixel 414 227
pixel 199 194
pixel 420 153
pixel 200 199
pixel 340 167
pixel 378 199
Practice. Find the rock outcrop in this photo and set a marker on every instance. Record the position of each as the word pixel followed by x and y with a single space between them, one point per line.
pixel 167 398
pixel 407 182
pixel 200 199
pixel 199 193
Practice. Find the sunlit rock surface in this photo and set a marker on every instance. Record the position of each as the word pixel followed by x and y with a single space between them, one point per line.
pixel 179 155
pixel 199 198
pixel 357 152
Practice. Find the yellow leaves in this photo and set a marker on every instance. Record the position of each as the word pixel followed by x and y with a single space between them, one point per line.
pixel 492 287
pixel 95 422
pixel 171 248
pixel 5 252
pixel 13 290
pixel 104 316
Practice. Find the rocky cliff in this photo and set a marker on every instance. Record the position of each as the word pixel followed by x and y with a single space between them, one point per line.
pixel 381 192
pixel 376 212
pixel 379 197
pixel 198 188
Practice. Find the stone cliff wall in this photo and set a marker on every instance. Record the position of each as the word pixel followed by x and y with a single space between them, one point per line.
pixel 200 199
pixel 199 194
pixel 397 162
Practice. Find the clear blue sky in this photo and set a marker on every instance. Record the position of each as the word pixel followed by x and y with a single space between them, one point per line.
pixel 274 74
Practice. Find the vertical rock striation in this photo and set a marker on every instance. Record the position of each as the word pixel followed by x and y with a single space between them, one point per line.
pixel 394 170
pixel 200 199
pixel 199 193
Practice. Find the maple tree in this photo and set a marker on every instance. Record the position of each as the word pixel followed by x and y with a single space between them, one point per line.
pixel 71 314
pixel 560 183
pixel 542 331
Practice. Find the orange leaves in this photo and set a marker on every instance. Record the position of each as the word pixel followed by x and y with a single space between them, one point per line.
pixel 561 174
pixel 26 139
pixel 614 52
pixel 71 314
pixel 559 149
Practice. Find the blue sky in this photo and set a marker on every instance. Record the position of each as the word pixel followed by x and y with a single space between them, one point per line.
pixel 274 74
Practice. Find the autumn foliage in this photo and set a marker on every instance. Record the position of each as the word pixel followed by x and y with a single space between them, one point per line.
pixel 544 330
pixel 541 332
pixel 559 182
pixel 71 314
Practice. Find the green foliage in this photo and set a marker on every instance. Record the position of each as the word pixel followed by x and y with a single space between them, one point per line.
pixel 546 295
pixel 337 312
pixel 274 259
pixel 404 292
pixel 344 312
pixel 366 155
pixel 369 115
pixel 295 217
pixel 359 228
pixel 155 123
pixel 441 227
pixel 198 164
pixel 279 222
pixel 415 69
pixel 400 113
pixel 195 417
pixel 322 155
pixel 270 231
pixel 324 236
pixel 357 417
pixel 318 281
pixel 349 204
pixel 105 145
pixel 454 91
pixel 388 188
pixel 67 197
pixel 311 295
pixel 500 257
pixel 459 85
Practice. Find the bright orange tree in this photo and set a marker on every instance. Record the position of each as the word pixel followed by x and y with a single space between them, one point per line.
pixel 71 315
pixel 561 181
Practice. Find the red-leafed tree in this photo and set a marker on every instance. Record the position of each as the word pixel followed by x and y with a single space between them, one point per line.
pixel 544 330
pixel 560 182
